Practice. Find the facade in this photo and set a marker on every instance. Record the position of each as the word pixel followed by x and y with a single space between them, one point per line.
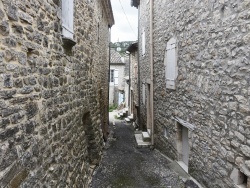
pixel 117 74
pixel 194 86
pixel 133 82
pixel 54 90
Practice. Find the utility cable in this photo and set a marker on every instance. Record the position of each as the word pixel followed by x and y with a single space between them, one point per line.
pixel 127 18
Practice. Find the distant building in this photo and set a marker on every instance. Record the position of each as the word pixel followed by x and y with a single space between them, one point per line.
pixel 117 74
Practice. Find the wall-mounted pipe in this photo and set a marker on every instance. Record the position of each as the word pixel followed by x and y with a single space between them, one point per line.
pixel 152 70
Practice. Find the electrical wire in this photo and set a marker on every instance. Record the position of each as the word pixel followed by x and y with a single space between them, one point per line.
pixel 127 19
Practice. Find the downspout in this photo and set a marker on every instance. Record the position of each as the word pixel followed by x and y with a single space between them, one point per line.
pixel 105 134
pixel 129 85
pixel 139 80
pixel 152 71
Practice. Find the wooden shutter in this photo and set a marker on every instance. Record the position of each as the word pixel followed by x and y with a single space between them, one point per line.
pixel 170 64
pixel 143 43
pixel 68 18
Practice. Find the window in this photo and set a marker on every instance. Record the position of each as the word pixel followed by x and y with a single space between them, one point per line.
pixel 166 134
pixel 111 75
pixel 68 18
pixel 143 44
pixel 170 62
pixel 116 77
pixel 143 94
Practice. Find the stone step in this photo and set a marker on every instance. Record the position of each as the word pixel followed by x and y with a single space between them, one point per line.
pixel 131 117
pixel 139 141
pixel 146 137
pixel 149 131
pixel 127 120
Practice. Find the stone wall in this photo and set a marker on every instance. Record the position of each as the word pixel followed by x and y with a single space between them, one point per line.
pixel 52 105
pixel 144 59
pixel 212 88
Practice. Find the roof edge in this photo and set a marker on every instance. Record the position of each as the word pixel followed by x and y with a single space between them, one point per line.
pixel 132 47
pixel 109 12
pixel 135 3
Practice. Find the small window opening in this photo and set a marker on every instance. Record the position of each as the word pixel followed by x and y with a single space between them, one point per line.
pixel 166 133
pixel 239 178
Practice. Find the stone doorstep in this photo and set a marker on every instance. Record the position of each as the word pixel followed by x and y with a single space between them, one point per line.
pixel 149 131
pixel 127 120
pixel 139 141
pixel 146 137
pixel 131 117
pixel 241 186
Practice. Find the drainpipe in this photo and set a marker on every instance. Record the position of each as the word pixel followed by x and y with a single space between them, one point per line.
pixel 139 80
pixel 152 70
pixel 129 86
pixel 129 81
pixel 105 131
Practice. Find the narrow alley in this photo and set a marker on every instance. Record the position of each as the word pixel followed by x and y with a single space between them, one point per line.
pixel 125 165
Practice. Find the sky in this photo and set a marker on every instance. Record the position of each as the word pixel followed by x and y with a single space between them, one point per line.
pixel 122 31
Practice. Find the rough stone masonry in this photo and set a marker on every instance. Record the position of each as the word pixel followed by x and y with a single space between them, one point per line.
pixel 212 86
pixel 53 104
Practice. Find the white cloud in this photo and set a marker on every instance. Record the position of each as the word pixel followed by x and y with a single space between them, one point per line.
pixel 122 30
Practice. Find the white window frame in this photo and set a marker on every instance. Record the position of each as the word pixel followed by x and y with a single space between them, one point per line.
pixel 143 42
pixel 116 77
pixel 68 18
pixel 170 62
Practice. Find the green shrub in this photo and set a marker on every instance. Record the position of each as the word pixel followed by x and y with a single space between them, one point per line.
pixel 112 107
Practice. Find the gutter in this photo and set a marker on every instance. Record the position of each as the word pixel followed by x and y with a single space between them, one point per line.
pixel 139 78
pixel 152 70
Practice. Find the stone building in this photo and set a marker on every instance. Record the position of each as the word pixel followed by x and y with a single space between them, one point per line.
pixel 194 67
pixel 133 81
pixel 53 90
pixel 117 74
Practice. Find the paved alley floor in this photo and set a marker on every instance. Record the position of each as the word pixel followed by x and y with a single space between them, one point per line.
pixel 124 165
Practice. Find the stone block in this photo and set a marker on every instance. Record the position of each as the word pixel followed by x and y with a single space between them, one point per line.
pixel 26 90
pixel 4 28
pixel 31 109
pixel 245 150
pixel 239 136
pixel 25 17
pixel 12 12
pixel 10 42
pixel 7 80
pixel 237 176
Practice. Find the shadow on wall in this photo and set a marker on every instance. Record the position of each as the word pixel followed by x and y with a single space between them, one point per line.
pixel 92 148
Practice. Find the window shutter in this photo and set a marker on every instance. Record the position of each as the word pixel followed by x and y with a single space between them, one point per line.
pixel 68 18
pixel 170 64
pixel 143 43
pixel 116 77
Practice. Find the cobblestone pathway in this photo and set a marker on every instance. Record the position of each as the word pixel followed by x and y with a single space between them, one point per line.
pixel 124 165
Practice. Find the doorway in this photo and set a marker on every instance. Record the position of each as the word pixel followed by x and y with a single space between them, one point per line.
pixel 149 118
pixel 182 146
